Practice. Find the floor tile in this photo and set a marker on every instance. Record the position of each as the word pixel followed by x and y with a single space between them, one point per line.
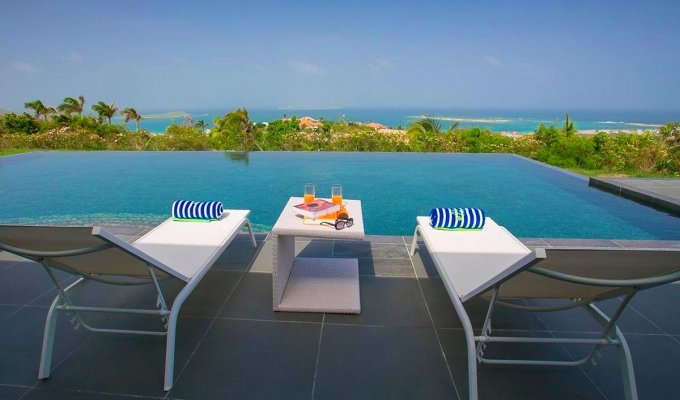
pixel 42 394
pixel 578 319
pixel 359 362
pixel 252 360
pixel 12 392
pixel 252 299
pixel 314 248
pixel 656 361
pixel 24 282
pixel 444 315
pixel 125 364
pixel 655 304
pixel 386 267
pixel 263 259
pixel 238 256
pixel 517 382
pixel 9 257
pixel 384 239
pixel 21 338
pixel 204 301
pixel 389 302
pixel 363 249
pixel 423 263
pixel 5 311
pixel 582 243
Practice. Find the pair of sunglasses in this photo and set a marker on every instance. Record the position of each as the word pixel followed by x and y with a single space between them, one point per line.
pixel 341 222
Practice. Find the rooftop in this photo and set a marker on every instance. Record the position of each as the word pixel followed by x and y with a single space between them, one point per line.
pixel 406 343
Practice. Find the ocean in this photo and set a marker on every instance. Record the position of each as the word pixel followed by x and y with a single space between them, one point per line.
pixel 497 120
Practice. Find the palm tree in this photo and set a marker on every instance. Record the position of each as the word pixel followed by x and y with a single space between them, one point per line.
pixel 425 125
pixel 71 105
pixel 201 125
pixel 105 110
pixel 48 111
pixel 240 119
pixel 131 114
pixel 236 127
pixel 38 108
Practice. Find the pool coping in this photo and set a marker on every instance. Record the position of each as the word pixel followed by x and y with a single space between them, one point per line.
pixel 637 194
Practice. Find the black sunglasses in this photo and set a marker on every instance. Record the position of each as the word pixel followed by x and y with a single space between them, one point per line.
pixel 341 223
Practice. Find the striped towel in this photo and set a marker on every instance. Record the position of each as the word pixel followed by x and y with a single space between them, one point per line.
pixel 457 218
pixel 196 210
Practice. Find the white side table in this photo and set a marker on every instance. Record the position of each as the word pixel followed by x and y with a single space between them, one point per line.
pixel 305 284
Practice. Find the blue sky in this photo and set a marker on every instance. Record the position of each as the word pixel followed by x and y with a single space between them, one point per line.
pixel 163 55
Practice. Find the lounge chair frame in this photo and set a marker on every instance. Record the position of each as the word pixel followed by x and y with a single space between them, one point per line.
pixel 610 335
pixel 63 302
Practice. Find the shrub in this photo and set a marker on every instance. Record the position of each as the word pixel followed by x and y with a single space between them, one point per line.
pixel 18 123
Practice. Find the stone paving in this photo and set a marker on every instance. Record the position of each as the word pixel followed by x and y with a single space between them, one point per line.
pixel 407 342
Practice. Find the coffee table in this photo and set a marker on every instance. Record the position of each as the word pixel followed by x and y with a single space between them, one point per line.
pixel 305 284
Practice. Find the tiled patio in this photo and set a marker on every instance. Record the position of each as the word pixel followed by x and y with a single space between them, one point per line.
pixel 406 343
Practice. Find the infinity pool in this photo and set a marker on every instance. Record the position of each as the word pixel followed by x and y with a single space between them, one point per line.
pixel 528 198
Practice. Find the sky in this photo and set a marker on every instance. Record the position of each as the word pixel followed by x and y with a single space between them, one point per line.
pixel 179 55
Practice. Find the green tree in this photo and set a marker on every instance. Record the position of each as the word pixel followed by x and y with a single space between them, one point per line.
pixel 71 105
pixel 569 128
pixel 38 108
pixel 19 123
pixel 130 114
pixel 104 110
pixel 235 131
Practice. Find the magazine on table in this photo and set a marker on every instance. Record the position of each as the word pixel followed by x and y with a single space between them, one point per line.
pixel 317 208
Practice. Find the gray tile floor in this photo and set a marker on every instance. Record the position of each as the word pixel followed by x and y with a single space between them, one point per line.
pixel 406 343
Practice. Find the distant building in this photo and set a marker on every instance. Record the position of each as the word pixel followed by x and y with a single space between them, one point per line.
pixel 375 125
pixel 309 122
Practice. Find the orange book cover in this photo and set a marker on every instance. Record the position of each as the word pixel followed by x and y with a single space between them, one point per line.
pixel 317 208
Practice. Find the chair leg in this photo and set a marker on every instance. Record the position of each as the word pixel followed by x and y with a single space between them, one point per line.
pixel 627 371
pixel 471 347
pixel 48 340
pixel 252 235
pixel 415 241
pixel 170 350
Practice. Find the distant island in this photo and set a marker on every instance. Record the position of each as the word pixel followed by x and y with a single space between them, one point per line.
pixel 167 115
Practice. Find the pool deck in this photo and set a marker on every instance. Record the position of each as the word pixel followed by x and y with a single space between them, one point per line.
pixel 663 194
pixel 407 343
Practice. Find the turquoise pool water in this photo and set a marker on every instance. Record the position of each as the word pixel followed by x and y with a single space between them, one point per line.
pixel 528 198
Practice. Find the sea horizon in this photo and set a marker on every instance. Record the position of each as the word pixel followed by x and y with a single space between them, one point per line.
pixel 498 120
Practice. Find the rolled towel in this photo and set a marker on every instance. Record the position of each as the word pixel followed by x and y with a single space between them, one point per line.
pixel 457 218
pixel 199 210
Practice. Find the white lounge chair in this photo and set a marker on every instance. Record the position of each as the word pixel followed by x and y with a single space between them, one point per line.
pixel 181 250
pixel 496 265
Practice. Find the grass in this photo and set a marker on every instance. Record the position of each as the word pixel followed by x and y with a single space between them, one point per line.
pixel 7 152
pixel 604 173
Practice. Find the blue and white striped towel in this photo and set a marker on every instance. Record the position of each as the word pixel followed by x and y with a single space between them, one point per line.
pixel 457 218
pixel 205 210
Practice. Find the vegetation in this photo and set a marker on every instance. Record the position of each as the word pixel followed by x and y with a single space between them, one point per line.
pixel 640 154
pixel 130 114
pixel 104 110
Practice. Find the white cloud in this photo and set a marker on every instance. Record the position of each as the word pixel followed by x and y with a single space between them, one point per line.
pixel 23 67
pixel 306 68
pixel 73 58
pixel 493 61
pixel 380 64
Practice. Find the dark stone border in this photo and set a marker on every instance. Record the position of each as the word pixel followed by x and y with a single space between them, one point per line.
pixel 642 196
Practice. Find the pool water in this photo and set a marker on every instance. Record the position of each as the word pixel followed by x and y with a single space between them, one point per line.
pixel 528 198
